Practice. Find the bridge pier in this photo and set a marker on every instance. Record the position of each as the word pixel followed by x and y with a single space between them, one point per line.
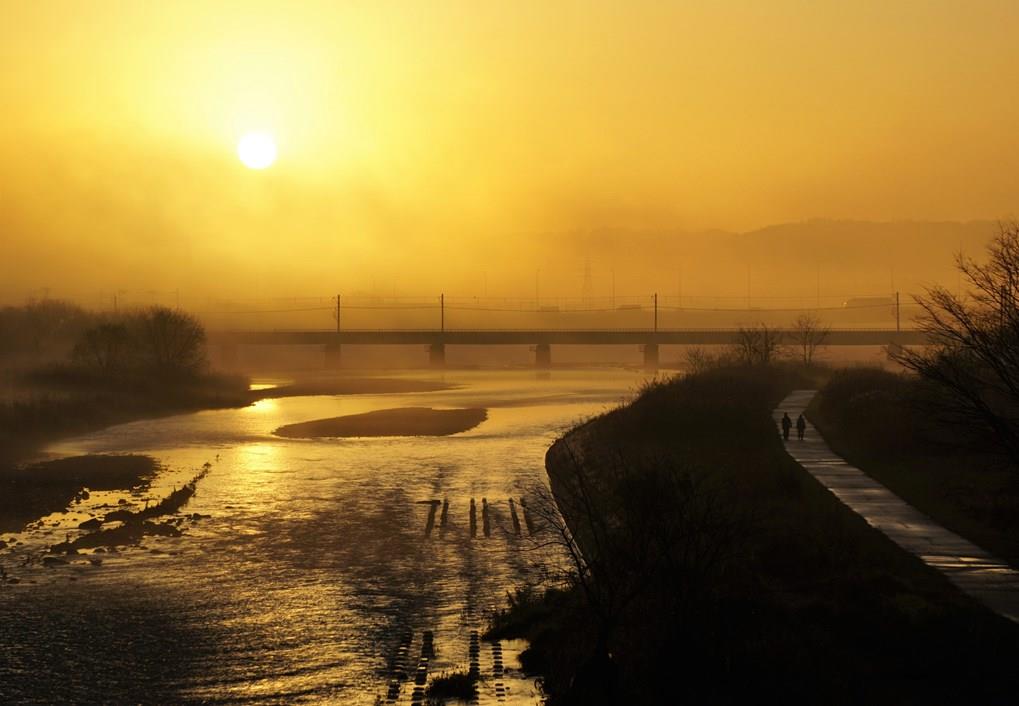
pixel 543 355
pixel 333 356
pixel 651 356
pixel 437 355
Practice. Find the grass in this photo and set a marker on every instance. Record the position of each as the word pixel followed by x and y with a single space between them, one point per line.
pixel 806 602
pixel 458 686
pixel 870 418
pixel 61 401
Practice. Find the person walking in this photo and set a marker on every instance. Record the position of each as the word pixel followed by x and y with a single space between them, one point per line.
pixel 787 424
pixel 801 426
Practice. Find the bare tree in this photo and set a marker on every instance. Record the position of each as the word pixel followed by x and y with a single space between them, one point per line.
pixel 809 333
pixel 972 359
pixel 104 348
pixel 757 345
pixel 170 341
pixel 699 360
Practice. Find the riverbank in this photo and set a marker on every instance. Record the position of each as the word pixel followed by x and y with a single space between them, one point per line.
pixel 36 490
pixel 710 556
pixel 58 403
pixel 47 406
pixel 869 417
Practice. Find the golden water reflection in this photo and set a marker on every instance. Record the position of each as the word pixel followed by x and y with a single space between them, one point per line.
pixel 314 562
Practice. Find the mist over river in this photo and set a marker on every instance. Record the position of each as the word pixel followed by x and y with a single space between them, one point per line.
pixel 323 565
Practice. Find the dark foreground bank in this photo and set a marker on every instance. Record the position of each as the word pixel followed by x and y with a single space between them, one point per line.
pixel 712 567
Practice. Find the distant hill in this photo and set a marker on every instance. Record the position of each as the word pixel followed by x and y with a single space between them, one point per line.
pixel 789 259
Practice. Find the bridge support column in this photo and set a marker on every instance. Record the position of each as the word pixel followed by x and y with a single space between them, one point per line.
pixel 651 356
pixel 543 355
pixel 437 355
pixel 333 356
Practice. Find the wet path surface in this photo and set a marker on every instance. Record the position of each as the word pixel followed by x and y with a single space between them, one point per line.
pixel 969 567
pixel 341 571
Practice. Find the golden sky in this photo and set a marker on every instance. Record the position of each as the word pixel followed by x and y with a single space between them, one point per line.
pixel 458 136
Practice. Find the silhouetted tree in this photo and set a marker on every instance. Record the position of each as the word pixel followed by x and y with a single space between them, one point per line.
pixel 105 348
pixel 809 334
pixel 972 360
pixel 169 341
pixel 757 345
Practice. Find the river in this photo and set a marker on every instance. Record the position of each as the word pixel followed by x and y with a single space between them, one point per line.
pixel 315 576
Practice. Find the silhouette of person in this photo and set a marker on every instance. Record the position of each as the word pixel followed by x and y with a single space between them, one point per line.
pixel 787 424
pixel 801 426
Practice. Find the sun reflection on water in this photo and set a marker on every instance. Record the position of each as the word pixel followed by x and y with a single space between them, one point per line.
pixel 312 560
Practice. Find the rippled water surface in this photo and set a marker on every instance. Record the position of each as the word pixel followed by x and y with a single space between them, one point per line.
pixel 314 576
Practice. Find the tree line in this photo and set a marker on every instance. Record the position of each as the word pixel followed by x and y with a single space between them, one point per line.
pixel 156 341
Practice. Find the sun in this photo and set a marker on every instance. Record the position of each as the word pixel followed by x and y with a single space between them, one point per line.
pixel 256 150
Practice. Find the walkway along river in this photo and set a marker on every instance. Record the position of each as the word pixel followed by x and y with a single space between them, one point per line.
pixel 344 570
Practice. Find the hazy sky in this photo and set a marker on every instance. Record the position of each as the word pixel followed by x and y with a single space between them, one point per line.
pixel 450 136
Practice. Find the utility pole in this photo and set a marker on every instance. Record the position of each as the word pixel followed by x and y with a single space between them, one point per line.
pixel 337 313
pixel 898 327
pixel 656 312
pixel 442 313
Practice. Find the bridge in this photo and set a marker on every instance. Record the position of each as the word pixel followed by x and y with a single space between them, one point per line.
pixel 436 340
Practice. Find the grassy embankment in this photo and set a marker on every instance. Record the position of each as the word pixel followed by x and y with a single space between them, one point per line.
pixel 719 570
pixel 870 417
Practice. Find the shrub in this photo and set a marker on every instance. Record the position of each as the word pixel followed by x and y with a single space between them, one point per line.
pixel 156 341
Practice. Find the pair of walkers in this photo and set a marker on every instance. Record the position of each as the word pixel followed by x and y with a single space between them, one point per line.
pixel 787 424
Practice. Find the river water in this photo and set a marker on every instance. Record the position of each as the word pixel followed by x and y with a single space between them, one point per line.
pixel 315 576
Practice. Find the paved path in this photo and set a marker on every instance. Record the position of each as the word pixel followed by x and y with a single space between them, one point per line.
pixel 968 566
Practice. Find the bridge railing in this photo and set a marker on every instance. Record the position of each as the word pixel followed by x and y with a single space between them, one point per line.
pixel 498 313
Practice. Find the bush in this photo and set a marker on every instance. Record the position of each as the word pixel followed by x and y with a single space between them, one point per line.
pixel 878 406
pixel 170 342
pixel 156 341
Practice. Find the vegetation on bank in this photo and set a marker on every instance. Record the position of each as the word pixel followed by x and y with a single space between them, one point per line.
pixel 67 371
pixel 452 686
pixel 708 565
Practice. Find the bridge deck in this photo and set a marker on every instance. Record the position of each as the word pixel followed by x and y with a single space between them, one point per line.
pixel 836 337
